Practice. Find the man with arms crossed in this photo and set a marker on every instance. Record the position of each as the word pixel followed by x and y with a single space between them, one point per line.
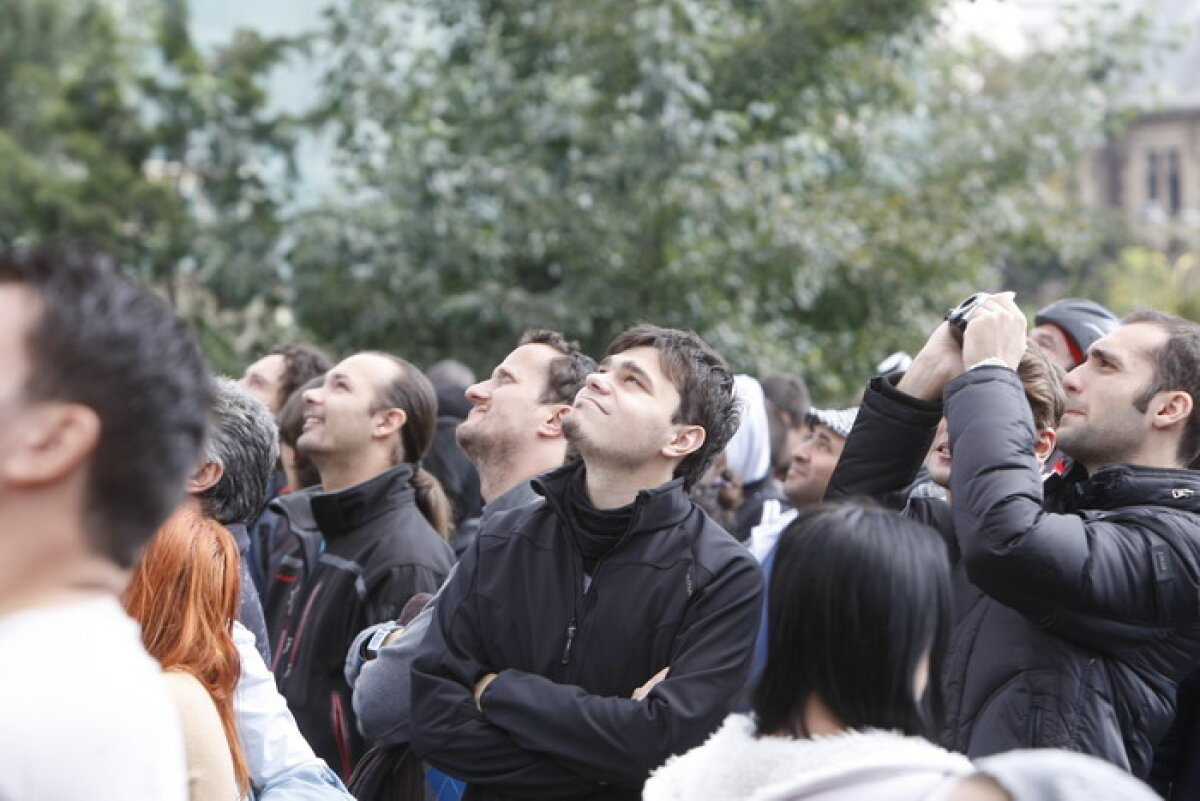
pixel 587 638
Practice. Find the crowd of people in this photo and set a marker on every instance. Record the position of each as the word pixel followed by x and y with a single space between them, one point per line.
pixel 640 576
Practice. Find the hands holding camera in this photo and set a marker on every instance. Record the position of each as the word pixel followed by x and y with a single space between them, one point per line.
pixel 983 327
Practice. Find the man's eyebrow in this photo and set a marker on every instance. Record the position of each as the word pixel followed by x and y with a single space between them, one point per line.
pixel 1101 352
pixel 633 367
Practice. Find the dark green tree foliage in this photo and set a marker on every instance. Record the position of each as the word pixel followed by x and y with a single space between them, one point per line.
pixel 117 132
pixel 807 183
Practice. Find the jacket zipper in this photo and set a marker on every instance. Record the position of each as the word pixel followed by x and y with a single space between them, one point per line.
pixel 294 651
pixel 573 626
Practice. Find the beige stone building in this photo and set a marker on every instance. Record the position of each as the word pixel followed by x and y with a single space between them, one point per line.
pixel 1151 170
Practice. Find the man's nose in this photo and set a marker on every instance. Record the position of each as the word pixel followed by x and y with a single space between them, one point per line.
pixel 1071 379
pixel 479 392
pixel 599 382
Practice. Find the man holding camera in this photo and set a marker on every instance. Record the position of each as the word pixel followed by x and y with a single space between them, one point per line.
pixel 1083 592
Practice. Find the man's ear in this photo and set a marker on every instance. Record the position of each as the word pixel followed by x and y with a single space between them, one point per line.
pixel 687 439
pixel 206 476
pixel 53 440
pixel 389 421
pixel 1171 407
pixel 1043 446
pixel 550 424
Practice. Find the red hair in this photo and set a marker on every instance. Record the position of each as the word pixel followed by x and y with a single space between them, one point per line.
pixel 185 593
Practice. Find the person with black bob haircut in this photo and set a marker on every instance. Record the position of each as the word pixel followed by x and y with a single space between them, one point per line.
pixel 858 608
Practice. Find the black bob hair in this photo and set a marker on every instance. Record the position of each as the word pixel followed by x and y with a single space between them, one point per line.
pixel 858 596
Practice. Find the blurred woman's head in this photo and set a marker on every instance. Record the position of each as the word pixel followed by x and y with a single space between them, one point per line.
pixel 858 609
pixel 185 593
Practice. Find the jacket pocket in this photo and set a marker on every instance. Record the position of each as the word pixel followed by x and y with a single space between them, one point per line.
pixel 1020 713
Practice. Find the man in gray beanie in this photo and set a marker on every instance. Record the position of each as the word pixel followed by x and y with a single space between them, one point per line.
pixel 1067 328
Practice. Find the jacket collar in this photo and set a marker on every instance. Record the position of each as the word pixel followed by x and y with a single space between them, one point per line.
pixel 516 497
pixel 337 513
pixel 654 509
pixel 1121 485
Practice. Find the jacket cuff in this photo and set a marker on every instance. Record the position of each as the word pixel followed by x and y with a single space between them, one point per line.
pixel 884 388
pixel 983 373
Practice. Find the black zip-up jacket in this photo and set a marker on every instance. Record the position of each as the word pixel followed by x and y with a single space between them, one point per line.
pixel 361 553
pixel 1077 601
pixel 558 722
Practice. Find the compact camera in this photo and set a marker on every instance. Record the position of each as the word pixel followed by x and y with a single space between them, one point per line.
pixel 960 315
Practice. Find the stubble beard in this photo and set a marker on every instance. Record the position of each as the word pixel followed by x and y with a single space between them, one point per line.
pixel 592 453
pixel 1092 446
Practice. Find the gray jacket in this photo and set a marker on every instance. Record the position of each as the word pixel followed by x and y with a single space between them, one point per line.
pixel 381 685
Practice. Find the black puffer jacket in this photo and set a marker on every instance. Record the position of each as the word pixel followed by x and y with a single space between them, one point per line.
pixel 360 554
pixel 1078 608
pixel 558 721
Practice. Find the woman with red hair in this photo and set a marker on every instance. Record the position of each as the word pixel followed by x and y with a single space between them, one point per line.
pixel 184 593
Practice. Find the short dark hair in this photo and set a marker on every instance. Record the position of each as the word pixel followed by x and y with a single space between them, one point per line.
pixel 789 395
pixel 411 391
pixel 705 386
pixel 858 595
pixel 1176 367
pixel 301 363
pixel 291 426
pixel 1042 380
pixel 243 439
pixel 566 373
pixel 106 343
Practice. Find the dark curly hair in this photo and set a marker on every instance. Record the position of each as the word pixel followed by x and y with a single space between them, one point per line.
pixel 566 374
pixel 301 363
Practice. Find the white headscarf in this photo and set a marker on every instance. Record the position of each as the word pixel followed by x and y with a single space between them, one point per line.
pixel 748 453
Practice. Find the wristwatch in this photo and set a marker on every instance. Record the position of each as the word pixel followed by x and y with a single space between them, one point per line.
pixel 371 647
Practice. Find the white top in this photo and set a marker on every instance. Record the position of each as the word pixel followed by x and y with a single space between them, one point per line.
pixel 764 536
pixel 734 765
pixel 271 741
pixel 84 711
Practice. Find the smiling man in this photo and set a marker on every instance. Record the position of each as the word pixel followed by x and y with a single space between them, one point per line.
pixel 366 541
pixel 587 638
pixel 1076 597
pixel 813 460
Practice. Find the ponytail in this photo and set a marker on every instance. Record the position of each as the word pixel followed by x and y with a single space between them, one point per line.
pixel 432 501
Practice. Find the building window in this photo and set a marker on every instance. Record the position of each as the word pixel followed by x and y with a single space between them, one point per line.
pixel 1151 178
pixel 1174 184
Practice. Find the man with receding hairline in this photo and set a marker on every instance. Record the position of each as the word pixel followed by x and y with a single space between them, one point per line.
pixel 367 540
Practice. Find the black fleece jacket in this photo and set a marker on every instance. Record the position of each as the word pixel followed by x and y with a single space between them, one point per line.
pixel 1077 602
pixel 558 721
pixel 361 554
